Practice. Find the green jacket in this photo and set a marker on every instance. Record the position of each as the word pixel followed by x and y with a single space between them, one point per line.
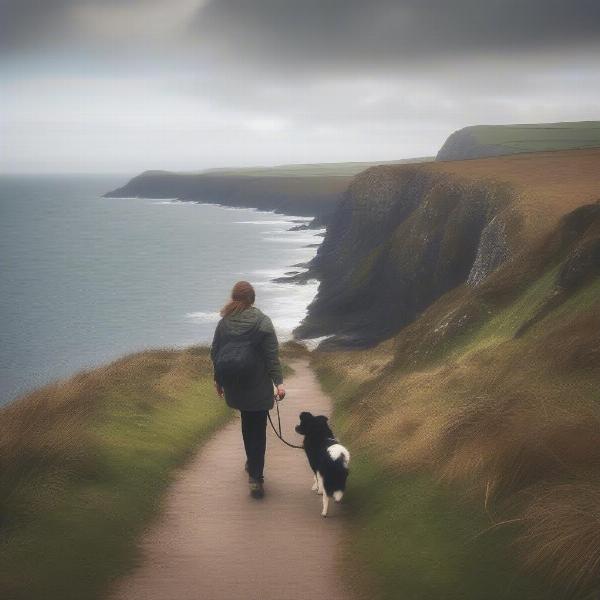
pixel 260 395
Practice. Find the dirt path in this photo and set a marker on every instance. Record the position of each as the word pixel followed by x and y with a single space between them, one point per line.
pixel 214 542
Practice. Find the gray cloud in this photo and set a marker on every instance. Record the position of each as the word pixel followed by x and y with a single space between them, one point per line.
pixel 23 21
pixel 185 84
pixel 30 25
pixel 355 33
pixel 324 32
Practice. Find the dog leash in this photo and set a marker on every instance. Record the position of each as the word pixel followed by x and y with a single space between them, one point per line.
pixel 279 434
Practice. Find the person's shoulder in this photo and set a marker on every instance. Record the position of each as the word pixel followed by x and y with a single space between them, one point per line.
pixel 263 319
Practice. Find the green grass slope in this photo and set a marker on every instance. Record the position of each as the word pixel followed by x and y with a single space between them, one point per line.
pixel 477 433
pixel 84 464
pixel 494 140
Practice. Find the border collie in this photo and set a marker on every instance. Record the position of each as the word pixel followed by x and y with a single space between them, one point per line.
pixel 328 459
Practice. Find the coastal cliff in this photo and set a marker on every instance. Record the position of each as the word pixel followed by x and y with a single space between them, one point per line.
pixel 476 422
pixel 403 236
pixel 399 240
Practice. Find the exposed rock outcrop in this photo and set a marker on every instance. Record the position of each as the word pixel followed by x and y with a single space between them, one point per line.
pixel 493 250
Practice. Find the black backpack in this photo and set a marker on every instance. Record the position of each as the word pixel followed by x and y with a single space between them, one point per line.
pixel 239 360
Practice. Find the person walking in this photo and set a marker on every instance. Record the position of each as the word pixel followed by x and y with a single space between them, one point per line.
pixel 245 356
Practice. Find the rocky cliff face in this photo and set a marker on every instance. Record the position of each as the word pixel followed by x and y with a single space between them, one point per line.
pixel 399 239
pixel 493 250
pixel 307 196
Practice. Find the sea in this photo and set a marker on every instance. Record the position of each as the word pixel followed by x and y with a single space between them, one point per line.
pixel 86 279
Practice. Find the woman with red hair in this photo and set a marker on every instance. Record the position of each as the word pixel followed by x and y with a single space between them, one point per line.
pixel 245 356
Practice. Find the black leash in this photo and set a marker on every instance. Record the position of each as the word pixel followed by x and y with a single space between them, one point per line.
pixel 279 435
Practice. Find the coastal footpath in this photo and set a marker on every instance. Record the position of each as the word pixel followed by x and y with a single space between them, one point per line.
pixel 213 541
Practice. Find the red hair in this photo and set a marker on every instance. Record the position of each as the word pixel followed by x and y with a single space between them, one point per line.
pixel 242 297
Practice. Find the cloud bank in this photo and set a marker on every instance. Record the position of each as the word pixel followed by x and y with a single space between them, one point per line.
pixel 189 84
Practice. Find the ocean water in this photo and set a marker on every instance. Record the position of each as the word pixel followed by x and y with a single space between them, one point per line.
pixel 86 279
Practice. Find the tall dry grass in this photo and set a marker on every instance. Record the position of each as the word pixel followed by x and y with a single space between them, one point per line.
pixel 83 464
pixel 48 431
pixel 561 531
pixel 515 425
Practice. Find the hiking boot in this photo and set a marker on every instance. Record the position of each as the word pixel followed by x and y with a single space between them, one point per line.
pixel 257 489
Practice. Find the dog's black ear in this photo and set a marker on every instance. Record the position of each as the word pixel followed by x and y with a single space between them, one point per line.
pixel 323 418
pixel 305 415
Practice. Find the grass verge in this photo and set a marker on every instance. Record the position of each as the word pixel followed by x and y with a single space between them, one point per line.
pixel 410 535
pixel 416 539
pixel 476 476
pixel 84 464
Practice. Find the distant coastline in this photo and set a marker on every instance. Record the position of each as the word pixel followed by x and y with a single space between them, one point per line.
pixel 303 190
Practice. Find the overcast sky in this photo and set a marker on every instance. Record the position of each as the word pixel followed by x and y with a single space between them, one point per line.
pixel 128 85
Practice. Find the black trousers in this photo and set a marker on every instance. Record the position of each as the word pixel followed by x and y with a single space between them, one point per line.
pixel 254 432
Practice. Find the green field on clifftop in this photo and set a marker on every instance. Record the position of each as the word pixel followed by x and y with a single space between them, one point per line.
pixel 342 169
pixel 479 141
pixel 540 137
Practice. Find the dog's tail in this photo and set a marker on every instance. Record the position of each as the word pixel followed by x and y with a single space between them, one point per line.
pixel 338 495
